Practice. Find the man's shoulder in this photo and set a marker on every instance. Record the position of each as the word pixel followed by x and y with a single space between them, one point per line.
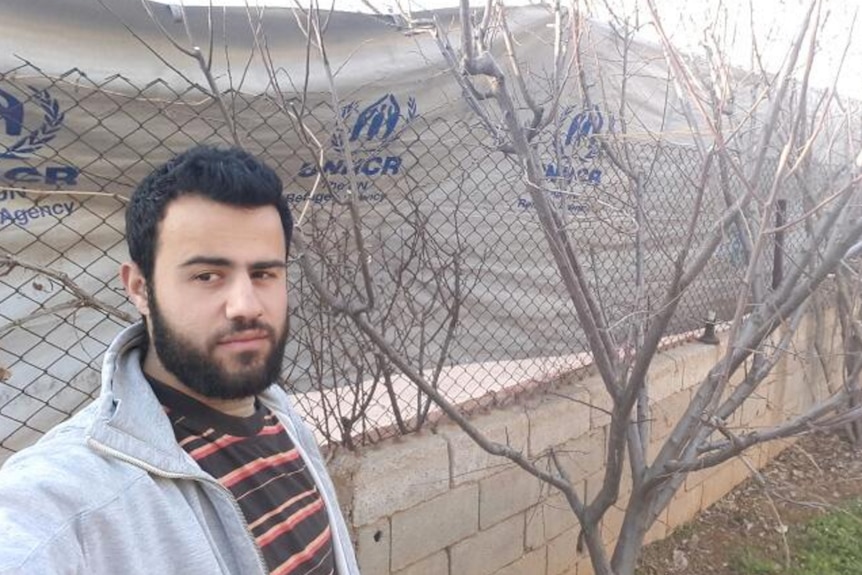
pixel 61 466
pixel 58 441
pixel 48 488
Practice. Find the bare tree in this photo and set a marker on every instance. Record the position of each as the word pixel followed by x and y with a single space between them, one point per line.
pixel 786 118
pixel 403 311
pixel 737 137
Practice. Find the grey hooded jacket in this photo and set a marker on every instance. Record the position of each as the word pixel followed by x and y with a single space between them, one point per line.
pixel 110 491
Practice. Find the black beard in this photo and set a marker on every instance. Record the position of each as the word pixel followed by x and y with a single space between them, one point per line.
pixel 202 374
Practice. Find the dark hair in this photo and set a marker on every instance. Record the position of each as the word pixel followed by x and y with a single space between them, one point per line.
pixel 231 176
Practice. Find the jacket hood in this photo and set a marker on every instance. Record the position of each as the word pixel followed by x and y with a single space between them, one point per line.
pixel 129 419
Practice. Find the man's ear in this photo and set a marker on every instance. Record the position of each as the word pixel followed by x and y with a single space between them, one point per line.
pixel 136 286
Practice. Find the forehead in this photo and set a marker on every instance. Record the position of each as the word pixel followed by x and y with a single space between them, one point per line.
pixel 197 226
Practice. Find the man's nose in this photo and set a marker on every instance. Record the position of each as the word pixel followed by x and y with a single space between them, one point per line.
pixel 243 300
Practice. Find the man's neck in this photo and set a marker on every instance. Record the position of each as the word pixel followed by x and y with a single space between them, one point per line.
pixel 243 407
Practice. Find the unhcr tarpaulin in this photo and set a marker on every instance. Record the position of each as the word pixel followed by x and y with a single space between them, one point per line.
pixel 91 99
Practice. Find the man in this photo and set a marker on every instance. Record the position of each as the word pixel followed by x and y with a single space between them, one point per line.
pixel 190 461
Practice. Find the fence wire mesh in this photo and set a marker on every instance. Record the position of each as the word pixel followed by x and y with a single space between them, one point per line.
pixel 465 287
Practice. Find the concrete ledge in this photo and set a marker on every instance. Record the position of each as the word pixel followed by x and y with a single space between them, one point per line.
pixel 556 420
pixel 469 462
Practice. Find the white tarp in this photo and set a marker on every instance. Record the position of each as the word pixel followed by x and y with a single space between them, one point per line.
pixel 91 131
pixel 86 106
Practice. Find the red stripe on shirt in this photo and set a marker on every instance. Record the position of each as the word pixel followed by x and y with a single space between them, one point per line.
pixel 264 518
pixel 226 440
pixel 250 469
pixel 307 553
pixel 289 523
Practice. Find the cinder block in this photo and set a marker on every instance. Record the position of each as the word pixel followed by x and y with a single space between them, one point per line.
pixel 753 408
pixel 530 564
pixel 722 480
pixel 690 365
pixel 666 414
pixel 584 456
pixel 797 394
pixel 562 553
pixel 342 469
pixel 665 376
pixel 585 567
pixel 434 525
pixel 684 506
pixel 490 550
pixel 548 520
pixel 373 545
pixel 773 413
pixel 733 422
pixel 437 564
pixel 777 389
pixel 658 530
pixel 611 524
pixel 507 493
pixel 420 463
pixel 757 455
pixel 774 448
pixel 803 332
pixel 558 420
pixel 696 478
pixel 469 461
pixel 778 446
pixel 703 362
pixel 601 404
pixel 593 484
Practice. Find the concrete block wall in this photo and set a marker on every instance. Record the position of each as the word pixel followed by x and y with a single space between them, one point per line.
pixel 434 503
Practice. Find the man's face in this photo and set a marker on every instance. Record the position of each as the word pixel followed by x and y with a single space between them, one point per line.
pixel 218 297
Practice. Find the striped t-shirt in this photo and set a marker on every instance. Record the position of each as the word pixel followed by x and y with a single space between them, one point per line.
pixel 254 458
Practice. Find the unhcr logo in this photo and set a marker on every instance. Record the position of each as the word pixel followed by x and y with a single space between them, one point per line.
pixel 368 132
pixel 579 146
pixel 580 139
pixel 22 144
pixel 377 123
pixel 12 114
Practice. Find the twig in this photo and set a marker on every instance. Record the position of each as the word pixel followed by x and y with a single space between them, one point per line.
pixel 9 262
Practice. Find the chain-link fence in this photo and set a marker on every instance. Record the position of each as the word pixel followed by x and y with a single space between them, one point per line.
pixel 464 286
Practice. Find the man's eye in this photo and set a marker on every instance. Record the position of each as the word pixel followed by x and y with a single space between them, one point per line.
pixel 206 277
pixel 263 275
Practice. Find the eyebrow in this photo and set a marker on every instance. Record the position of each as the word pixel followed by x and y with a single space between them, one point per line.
pixel 226 263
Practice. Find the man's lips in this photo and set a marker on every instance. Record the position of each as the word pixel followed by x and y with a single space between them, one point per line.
pixel 244 338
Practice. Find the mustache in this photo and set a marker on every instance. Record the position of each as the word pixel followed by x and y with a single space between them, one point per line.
pixel 241 325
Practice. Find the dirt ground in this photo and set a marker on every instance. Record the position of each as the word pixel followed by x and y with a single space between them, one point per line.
pixel 809 478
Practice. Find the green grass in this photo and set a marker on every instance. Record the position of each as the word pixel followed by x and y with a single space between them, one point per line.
pixel 832 544
pixel 749 562
pixel 828 545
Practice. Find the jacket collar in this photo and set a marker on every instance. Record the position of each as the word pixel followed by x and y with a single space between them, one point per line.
pixel 130 422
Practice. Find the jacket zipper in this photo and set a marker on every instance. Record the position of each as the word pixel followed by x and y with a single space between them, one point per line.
pixel 162 473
